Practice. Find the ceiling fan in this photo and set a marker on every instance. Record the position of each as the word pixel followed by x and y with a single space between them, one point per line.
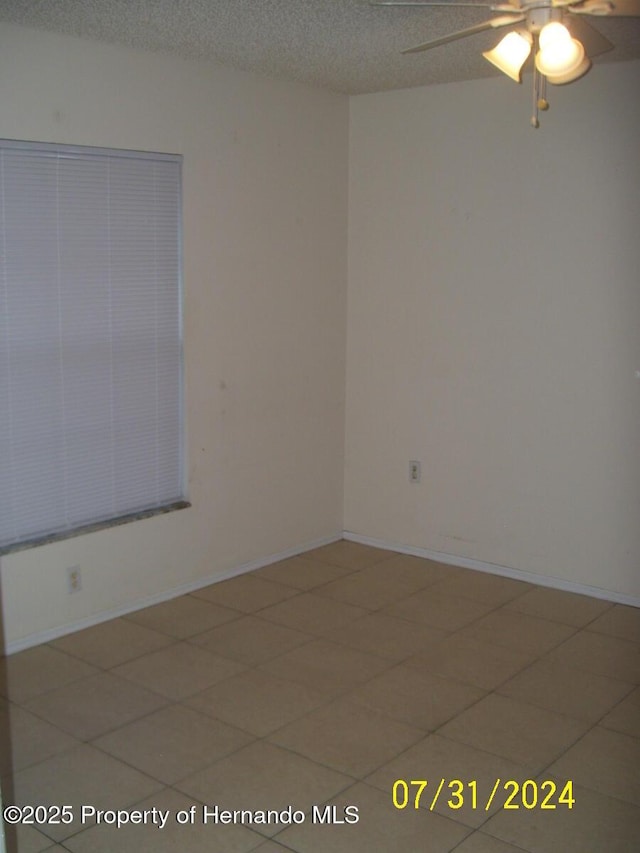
pixel 562 42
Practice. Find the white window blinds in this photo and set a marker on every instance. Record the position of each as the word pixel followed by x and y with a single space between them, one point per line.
pixel 90 337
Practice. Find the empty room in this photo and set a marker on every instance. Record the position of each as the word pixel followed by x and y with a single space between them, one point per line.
pixel 319 427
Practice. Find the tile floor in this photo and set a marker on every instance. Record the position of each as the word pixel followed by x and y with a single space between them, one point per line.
pixel 324 679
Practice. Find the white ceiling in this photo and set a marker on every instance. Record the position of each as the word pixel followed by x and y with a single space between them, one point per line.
pixel 342 45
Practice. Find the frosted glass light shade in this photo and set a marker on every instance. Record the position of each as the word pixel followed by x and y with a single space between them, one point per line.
pixel 561 58
pixel 552 32
pixel 510 54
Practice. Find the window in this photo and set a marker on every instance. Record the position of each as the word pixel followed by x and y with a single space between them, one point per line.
pixel 90 338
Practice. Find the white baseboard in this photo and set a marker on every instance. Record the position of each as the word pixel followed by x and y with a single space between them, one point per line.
pixel 40 637
pixel 491 568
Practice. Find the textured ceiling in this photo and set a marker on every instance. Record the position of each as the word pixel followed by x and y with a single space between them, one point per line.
pixel 342 45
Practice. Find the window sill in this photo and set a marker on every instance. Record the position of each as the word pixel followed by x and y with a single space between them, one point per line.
pixel 92 528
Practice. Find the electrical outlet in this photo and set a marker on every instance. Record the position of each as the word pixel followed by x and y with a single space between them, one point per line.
pixel 414 471
pixel 74 579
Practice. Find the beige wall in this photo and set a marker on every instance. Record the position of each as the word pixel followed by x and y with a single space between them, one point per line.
pixel 494 325
pixel 265 230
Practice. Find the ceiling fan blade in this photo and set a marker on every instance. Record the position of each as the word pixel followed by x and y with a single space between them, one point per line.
pixel 593 41
pixel 603 8
pixel 508 8
pixel 492 24
pixel 626 8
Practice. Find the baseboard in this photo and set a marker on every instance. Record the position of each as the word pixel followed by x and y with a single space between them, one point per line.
pixel 491 568
pixel 184 589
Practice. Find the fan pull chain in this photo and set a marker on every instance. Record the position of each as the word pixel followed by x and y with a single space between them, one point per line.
pixel 540 101
pixel 543 103
pixel 535 121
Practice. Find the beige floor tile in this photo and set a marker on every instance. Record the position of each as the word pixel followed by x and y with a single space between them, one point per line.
pixel 414 572
pixel 482 586
pixel 28 739
pixel 605 761
pixel 347 737
pixel 387 581
pixel 387 636
pixel 26 839
pixel 416 697
pixel 309 612
pixel 600 654
pixel 566 690
pixel 518 631
pixel 472 661
pixel 95 705
pixel 333 690
pixel 264 776
pixel 515 730
pixel 183 617
pixel 173 742
pixel 302 573
pixel 625 717
pixel 595 824
pixel 195 837
pixel 436 758
pixel 384 582
pixel 481 843
pixel 57 848
pixel 112 643
pixel 179 670
pixel 246 593
pixel 257 702
pixel 362 591
pixel 80 776
pixel 620 621
pixel 380 827
pixel 251 640
pixel 348 555
pixel 446 612
pixel 559 606
pixel 38 670
pixel 326 666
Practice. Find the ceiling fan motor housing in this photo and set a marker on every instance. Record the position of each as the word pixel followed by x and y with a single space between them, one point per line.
pixel 539 16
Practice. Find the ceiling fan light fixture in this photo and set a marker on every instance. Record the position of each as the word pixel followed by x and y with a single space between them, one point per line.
pixel 561 58
pixel 511 53
pixel 554 33
pixel 573 74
